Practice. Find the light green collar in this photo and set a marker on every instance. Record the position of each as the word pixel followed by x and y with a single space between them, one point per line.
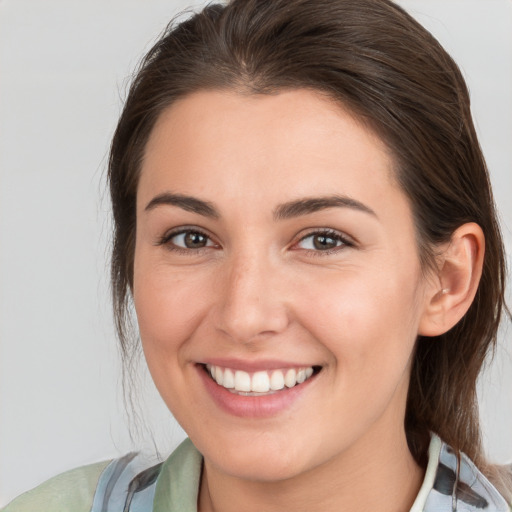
pixel 177 486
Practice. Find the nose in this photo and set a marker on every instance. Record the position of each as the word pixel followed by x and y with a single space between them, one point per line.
pixel 251 302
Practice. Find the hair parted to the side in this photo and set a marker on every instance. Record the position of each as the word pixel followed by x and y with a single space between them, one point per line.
pixel 393 75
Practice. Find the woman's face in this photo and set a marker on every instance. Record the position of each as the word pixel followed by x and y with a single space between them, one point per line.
pixel 273 244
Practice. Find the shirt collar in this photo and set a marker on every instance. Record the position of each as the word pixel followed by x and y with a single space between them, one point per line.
pixel 454 483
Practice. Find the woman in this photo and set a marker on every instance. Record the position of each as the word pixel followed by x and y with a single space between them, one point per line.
pixel 304 222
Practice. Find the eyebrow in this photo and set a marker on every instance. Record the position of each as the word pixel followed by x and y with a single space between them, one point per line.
pixel 188 203
pixel 309 205
pixel 284 211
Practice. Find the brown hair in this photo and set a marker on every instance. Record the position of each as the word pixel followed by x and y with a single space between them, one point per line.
pixel 394 76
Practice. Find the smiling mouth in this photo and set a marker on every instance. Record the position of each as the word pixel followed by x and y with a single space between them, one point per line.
pixel 265 382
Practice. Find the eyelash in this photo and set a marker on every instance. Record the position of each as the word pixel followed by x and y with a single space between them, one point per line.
pixel 166 240
pixel 328 233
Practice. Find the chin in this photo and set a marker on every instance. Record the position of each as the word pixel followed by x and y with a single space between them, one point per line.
pixel 267 461
pixel 260 469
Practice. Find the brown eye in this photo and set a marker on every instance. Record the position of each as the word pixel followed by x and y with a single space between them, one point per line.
pixel 195 240
pixel 189 240
pixel 323 241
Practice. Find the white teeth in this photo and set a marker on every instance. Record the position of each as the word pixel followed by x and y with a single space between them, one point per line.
pixel 261 381
pixel 277 380
pixel 242 381
pixel 219 377
pixel 229 379
pixel 290 379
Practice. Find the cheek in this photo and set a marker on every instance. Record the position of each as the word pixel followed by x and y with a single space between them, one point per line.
pixel 169 305
pixel 369 330
pixel 364 320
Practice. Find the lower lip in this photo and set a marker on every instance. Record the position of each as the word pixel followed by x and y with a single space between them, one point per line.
pixel 252 406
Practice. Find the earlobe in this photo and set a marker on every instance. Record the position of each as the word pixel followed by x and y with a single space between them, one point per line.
pixel 450 294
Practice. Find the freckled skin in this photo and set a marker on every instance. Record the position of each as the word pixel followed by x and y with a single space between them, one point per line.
pixel 259 291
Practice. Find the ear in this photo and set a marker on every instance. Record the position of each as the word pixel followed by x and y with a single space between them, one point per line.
pixel 450 293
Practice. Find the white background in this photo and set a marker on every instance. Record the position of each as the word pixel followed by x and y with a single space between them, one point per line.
pixel 64 67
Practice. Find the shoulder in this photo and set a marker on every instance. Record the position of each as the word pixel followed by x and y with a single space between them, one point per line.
pixel 130 483
pixel 72 491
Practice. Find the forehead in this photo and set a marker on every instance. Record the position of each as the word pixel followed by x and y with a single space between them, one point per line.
pixel 290 144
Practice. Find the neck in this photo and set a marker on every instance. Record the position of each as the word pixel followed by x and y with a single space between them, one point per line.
pixel 377 474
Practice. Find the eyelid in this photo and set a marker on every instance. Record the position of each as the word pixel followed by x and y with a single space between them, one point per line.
pixel 168 235
pixel 346 240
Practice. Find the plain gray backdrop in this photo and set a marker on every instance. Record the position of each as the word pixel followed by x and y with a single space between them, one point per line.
pixel 64 67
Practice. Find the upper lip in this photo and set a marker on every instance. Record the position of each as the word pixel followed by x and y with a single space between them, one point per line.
pixel 254 366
